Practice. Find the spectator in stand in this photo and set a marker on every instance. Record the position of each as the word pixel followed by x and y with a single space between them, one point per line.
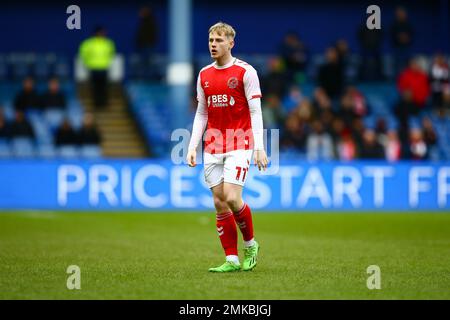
pixel 381 127
pixel 66 135
pixel 326 118
pixel 402 37
pixel 404 109
pixel 330 76
pixel 321 102
pixel 21 127
pixel 346 147
pixel 146 39
pixel 305 111
pixel 319 145
pixel 370 42
pixel 294 133
pixel 295 56
pixel 276 80
pixel 352 106
pixel 54 98
pixel 273 113
pixel 343 52
pixel 357 131
pixel 5 129
pixel 417 146
pixel 415 80
pixel 347 110
pixel 445 105
pixel 27 98
pixel 89 134
pixel 337 132
pixel 440 79
pixel 371 148
pixel 430 138
pixel 393 147
pixel 359 102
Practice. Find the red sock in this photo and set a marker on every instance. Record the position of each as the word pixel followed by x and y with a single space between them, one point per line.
pixel 226 227
pixel 244 220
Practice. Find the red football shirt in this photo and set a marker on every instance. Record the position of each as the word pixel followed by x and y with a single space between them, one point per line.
pixel 226 91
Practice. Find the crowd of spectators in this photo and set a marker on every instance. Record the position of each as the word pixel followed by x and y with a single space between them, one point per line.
pixel 29 99
pixel 331 122
pixel 86 135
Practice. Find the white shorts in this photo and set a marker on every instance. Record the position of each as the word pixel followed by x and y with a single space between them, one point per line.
pixel 231 167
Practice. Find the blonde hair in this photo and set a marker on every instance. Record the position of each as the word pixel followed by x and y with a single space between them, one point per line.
pixel 223 28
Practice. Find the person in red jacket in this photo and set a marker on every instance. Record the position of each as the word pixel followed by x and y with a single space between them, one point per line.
pixel 415 80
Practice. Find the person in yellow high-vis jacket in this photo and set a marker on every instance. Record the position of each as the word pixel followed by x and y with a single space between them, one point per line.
pixel 97 54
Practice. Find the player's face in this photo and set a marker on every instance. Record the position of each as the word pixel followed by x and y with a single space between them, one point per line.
pixel 219 45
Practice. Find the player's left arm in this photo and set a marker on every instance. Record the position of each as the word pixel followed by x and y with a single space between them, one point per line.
pixel 253 94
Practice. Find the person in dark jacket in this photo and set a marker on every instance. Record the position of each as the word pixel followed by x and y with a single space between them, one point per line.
pixel 146 39
pixel 370 42
pixel 371 148
pixel 27 98
pixel 89 134
pixel 21 127
pixel 295 56
pixel 331 77
pixel 54 97
pixel 66 135
pixel 402 37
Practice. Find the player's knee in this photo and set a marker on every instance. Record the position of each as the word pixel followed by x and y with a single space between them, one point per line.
pixel 220 204
pixel 232 201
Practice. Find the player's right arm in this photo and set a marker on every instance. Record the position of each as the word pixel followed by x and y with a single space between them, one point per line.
pixel 200 122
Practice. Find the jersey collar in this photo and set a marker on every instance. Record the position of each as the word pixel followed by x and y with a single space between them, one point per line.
pixel 229 64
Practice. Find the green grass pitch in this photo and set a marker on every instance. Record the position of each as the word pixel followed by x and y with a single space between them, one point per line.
pixel 166 256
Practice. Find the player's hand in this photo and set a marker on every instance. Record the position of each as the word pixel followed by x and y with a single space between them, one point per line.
pixel 191 157
pixel 261 160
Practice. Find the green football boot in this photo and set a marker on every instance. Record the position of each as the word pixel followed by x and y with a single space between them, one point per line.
pixel 250 258
pixel 228 266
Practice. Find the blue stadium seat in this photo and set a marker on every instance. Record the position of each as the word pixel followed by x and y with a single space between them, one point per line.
pixel 42 130
pixel 75 118
pixel 46 151
pixel 42 68
pixel 414 123
pixel 391 123
pixel 5 149
pixel 135 69
pixel 23 147
pixel 62 67
pixel 370 122
pixel 54 117
pixel 68 152
pixel 388 66
pixel 8 111
pixel 91 152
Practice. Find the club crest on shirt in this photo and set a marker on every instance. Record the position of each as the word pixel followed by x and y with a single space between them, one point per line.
pixel 232 83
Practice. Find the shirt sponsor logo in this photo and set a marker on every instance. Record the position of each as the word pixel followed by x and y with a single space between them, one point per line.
pixel 220 100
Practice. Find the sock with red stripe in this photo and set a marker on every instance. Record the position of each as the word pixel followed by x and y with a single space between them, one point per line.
pixel 243 219
pixel 226 227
